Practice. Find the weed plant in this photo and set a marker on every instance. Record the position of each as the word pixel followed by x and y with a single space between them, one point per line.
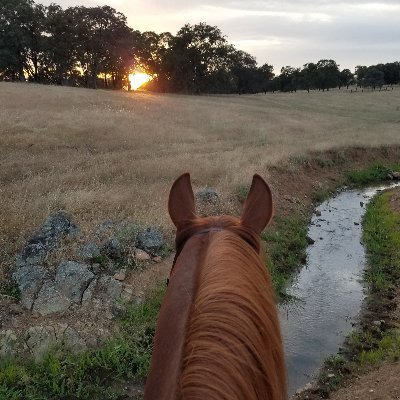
pixel 286 248
pixel 89 375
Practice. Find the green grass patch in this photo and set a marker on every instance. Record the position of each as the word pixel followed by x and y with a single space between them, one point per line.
pixel 334 370
pixel 388 347
pixel 92 374
pixel 382 238
pixel 286 248
pixel 376 342
pixel 374 174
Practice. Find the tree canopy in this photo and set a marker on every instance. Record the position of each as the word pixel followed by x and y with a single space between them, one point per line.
pixel 94 47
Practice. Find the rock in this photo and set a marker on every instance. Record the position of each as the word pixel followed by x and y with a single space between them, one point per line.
pixel 32 254
pixel 151 240
pixel 157 259
pixel 96 268
pixel 128 289
pixel 207 195
pixel 40 339
pixel 126 294
pixel 318 213
pixel 106 226
pixel 139 298
pixel 50 300
pixel 141 255
pixel 69 338
pixel 55 226
pixel 304 389
pixel 394 175
pixel 109 289
pixel 10 344
pixel 121 275
pixel 330 376
pixel 309 240
pixel 113 249
pixel 90 251
pixel 72 279
pixel 118 310
pixel 15 309
pixel 88 293
pixel 29 279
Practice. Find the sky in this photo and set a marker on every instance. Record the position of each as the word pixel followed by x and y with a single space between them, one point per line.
pixel 281 33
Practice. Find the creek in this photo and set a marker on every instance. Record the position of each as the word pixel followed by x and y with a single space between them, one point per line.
pixel 329 290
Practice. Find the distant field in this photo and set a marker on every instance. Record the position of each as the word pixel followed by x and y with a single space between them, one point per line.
pixel 103 154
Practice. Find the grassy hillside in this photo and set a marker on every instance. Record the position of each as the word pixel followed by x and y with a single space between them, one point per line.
pixel 102 154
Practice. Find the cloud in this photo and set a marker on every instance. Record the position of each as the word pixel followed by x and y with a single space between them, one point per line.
pixel 282 33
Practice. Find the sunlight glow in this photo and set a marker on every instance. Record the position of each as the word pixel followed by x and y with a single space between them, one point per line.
pixel 137 79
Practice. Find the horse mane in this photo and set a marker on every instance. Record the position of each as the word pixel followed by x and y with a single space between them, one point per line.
pixel 233 345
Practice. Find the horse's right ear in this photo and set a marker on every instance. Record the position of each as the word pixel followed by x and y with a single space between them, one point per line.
pixel 181 205
pixel 258 208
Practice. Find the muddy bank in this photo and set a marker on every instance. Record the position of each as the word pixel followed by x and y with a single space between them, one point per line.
pixel 303 180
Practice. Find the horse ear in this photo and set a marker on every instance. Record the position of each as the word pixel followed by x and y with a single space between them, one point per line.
pixel 258 208
pixel 181 206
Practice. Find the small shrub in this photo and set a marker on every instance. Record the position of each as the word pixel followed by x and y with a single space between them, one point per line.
pixel 376 173
pixel 319 196
pixel 324 162
pixel 10 289
pixel 286 248
pixel 335 362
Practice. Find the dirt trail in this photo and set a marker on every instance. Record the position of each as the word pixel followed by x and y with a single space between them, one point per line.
pixel 380 384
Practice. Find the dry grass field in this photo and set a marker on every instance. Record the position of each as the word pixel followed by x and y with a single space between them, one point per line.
pixel 103 154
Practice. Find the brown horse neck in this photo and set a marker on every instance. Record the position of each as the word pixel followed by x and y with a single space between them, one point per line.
pixel 166 362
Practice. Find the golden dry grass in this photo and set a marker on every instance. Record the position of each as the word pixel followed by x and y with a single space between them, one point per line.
pixel 102 154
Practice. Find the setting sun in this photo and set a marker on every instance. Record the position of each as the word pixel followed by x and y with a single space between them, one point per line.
pixel 137 79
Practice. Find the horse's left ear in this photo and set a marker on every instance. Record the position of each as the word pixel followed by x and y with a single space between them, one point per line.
pixel 258 208
pixel 181 205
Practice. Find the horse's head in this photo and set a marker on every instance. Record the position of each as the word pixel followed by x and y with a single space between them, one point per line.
pixel 256 214
pixel 216 334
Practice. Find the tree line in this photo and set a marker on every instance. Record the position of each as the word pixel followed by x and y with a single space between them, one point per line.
pixel 325 75
pixel 94 47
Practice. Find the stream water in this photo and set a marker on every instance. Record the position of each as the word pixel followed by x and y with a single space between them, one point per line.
pixel 329 288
